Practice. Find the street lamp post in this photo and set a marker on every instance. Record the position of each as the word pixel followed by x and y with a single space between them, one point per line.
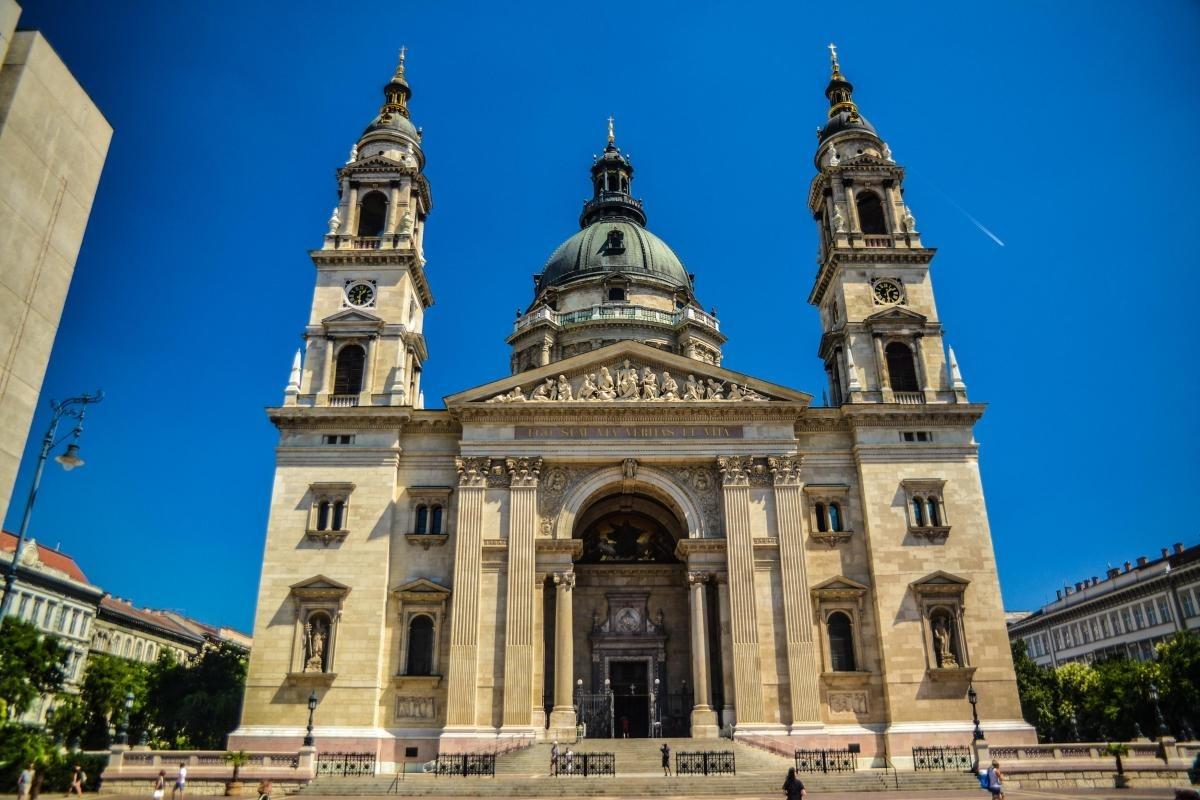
pixel 1163 730
pixel 973 698
pixel 123 730
pixel 71 407
pixel 312 706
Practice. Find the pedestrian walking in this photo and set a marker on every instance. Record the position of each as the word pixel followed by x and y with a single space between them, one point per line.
pixel 180 781
pixel 160 785
pixel 666 759
pixel 569 760
pixel 554 758
pixel 793 787
pixel 78 776
pixel 625 727
pixel 264 789
pixel 995 780
pixel 25 783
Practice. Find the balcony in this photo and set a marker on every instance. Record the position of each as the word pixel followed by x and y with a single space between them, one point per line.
pixel 910 398
pixel 877 241
pixel 616 312
pixel 343 400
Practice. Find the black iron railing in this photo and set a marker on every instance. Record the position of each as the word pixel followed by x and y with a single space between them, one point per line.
pixel 718 762
pixel 466 765
pixel 946 759
pixel 586 765
pixel 346 765
pixel 825 761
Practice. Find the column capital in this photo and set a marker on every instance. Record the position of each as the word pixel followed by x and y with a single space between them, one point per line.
pixel 743 471
pixel 564 580
pixel 523 472
pixel 698 578
pixel 473 470
pixel 785 470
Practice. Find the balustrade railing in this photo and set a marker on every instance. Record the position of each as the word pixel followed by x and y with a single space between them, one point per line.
pixel 586 765
pixel 947 759
pixel 345 765
pixel 466 765
pixel 343 400
pixel 910 398
pixel 825 761
pixel 598 312
pixel 366 242
pixel 877 241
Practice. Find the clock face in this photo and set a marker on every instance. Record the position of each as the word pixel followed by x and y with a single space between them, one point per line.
pixel 360 294
pixel 887 292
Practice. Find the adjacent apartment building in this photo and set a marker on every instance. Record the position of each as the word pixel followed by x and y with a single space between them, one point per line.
pixel 1128 612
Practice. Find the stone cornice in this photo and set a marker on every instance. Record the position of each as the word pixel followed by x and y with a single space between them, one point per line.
pixel 397 259
pixel 325 418
pixel 591 413
pixel 887 415
pixel 914 256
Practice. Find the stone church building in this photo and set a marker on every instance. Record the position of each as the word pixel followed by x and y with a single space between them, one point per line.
pixel 625 534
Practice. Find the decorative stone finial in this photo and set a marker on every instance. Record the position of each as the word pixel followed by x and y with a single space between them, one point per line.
pixel 956 379
pixel 335 222
pixel 910 222
pixel 833 56
pixel 293 386
pixel 612 137
pixel 852 371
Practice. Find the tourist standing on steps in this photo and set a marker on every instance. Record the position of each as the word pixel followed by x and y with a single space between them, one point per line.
pixel 666 754
pixel 569 759
pixel 554 758
pixel 793 787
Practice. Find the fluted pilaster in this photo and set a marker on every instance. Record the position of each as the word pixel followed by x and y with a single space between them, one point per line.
pixel 520 612
pixel 464 616
pixel 747 670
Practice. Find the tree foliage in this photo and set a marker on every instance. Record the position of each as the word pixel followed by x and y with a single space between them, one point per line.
pixel 1111 699
pixel 31 664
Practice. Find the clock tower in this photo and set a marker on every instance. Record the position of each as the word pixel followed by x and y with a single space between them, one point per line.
pixel 364 342
pixel 882 341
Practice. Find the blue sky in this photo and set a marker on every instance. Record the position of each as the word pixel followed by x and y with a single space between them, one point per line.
pixel 1066 128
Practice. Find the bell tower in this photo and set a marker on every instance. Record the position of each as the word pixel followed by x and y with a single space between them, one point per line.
pixel 882 341
pixel 363 344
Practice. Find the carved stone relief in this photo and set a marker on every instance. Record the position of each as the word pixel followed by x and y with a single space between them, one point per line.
pixel 744 471
pixel 418 708
pixel 848 702
pixel 553 487
pixel 629 383
pixel 700 483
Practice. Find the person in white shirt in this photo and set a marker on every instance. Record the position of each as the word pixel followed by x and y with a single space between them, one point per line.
pixel 180 782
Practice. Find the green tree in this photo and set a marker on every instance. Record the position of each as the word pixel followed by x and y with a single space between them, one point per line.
pixel 106 682
pixel 31 664
pixel 1179 679
pixel 1038 690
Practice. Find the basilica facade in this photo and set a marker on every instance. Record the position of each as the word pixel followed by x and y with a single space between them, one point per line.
pixel 625 535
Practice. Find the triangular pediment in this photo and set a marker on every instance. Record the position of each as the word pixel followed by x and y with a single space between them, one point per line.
pixel 352 319
pixel 377 162
pixel 319 582
pixel 839 583
pixel 940 584
pixel 602 377
pixel 423 586
pixel 897 314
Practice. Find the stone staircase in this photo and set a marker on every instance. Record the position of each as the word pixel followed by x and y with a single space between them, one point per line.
pixel 524 773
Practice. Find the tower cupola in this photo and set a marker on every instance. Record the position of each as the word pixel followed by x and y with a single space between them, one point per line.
pixel 612 177
pixel 843 113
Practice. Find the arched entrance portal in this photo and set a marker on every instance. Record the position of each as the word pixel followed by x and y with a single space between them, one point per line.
pixel 632 637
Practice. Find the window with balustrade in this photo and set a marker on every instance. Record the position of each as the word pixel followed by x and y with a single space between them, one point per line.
pixel 901 367
pixel 329 514
pixel 828 512
pixel 372 214
pixel 926 509
pixel 871 218
pixel 428 506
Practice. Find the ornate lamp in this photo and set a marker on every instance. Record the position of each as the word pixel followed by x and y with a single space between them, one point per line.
pixel 123 730
pixel 1163 730
pixel 312 707
pixel 973 699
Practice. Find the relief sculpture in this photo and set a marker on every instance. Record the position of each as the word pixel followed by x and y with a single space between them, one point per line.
pixel 628 383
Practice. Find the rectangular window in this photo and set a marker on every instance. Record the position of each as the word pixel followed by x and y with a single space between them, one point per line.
pixel 1115 619
pixel 1070 638
pixel 46 620
pixel 1151 614
pixel 1139 621
pixel 37 610
pixel 1096 630
pixel 1126 620
pixel 23 607
pixel 1104 629
pixel 1082 634
pixel 1164 609
pixel 1185 599
pixel 75 622
pixel 916 436
pixel 1058 638
pixel 62 619
pixel 338 438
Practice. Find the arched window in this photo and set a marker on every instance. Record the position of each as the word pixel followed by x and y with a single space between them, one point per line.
pixel 348 377
pixel 822 519
pixel 420 646
pixel 323 515
pixel 935 518
pixel 372 215
pixel 137 651
pixel 902 369
pixel 435 525
pixel 125 650
pixel 918 507
pixel 339 515
pixel 422 525
pixel 835 517
pixel 870 213
pixel 841 642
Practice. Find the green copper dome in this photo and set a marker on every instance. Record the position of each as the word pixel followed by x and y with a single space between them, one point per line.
pixel 613 245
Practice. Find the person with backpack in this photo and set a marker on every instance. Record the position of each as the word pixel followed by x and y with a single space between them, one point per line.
pixel 793 787
pixel 995 781
pixel 77 779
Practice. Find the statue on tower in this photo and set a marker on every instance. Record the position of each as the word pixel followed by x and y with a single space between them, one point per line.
pixel 335 222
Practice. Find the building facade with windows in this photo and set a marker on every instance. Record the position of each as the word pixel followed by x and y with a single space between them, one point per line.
pixel 54 595
pixel 625 527
pixel 1125 613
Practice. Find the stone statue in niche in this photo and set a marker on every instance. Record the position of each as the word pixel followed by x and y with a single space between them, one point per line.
pixel 316 637
pixel 942 644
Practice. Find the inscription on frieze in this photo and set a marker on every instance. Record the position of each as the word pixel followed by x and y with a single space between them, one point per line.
pixel 602 432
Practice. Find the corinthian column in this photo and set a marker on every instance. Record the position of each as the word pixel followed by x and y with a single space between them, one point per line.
pixel 804 672
pixel 747 670
pixel 704 719
pixel 519 613
pixel 464 611
pixel 562 715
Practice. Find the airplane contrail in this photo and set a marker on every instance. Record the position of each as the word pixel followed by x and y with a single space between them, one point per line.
pixel 965 213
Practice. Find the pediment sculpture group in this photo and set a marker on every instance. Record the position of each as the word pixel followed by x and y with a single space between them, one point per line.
pixel 626 383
